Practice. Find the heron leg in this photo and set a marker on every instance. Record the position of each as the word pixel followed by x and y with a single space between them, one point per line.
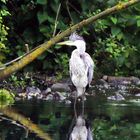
pixel 75 112
pixel 83 105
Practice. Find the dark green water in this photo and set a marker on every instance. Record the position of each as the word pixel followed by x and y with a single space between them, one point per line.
pixel 110 120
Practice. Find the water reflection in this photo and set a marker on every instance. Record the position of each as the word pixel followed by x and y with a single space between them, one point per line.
pixel 81 130
pixel 109 120
pixel 21 121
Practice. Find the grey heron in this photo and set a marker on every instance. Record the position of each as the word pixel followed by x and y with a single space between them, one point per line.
pixel 81 66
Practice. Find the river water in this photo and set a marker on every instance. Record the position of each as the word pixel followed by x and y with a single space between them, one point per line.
pixel 109 120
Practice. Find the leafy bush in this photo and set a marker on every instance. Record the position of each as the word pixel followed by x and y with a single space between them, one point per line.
pixel 115 38
pixel 3 31
pixel 6 98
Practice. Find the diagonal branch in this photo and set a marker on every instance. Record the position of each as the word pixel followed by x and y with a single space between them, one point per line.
pixel 43 47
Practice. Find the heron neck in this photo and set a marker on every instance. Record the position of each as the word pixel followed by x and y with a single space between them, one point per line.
pixel 81 49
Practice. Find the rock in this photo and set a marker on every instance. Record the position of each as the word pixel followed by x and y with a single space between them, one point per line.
pixel 135 80
pixel 61 97
pixel 29 97
pixel 40 96
pixel 137 95
pixel 117 97
pixel 67 102
pixel 22 95
pixel 47 91
pixel 122 80
pixel 33 90
pixel 49 97
pixel 73 94
pixel 101 82
pixel 61 87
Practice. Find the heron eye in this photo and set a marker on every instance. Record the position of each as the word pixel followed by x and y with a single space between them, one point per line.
pixel 81 55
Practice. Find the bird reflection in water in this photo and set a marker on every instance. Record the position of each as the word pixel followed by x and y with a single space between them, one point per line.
pixel 81 130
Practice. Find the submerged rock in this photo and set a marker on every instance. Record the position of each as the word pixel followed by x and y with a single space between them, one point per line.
pixel 117 97
pixel 138 95
pixel 67 102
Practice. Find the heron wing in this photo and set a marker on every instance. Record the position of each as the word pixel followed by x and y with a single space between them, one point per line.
pixel 70 68
pixel 90 67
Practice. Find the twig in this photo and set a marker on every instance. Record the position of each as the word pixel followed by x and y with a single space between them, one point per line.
pixel 67 2
pixel 56 22
pixel 13 122
pixel 18 58
pixel 74 8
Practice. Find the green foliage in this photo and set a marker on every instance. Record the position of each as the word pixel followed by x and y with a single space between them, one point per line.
pixel 63 63
pixel 115 38
pixel 3 32
pixel 6 98
pixel 17 81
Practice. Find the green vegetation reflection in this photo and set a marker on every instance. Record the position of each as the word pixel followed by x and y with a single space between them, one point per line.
pixel 26 123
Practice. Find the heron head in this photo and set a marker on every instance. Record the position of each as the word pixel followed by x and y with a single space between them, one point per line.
pixel 76 43
pixel 75 40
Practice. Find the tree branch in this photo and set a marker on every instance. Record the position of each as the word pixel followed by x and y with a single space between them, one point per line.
pixel 43 47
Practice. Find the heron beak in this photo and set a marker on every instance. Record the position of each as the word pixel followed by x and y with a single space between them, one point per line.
pixel 69 43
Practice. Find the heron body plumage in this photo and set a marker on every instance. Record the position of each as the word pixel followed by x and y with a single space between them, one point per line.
pixel 81 67
pixel 78 72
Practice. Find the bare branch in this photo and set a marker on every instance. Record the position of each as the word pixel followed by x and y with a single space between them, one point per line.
pixel 67 3
pixel 56 19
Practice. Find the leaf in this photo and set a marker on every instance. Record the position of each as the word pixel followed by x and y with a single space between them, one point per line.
pixel 41 57
pixel 57 46
pixel 111 2
pixel 115 31
pixel 2 56
pixel 43 2
pixel 126 54
pixel 120 36
pixel 45 30
pixel 20 53
pixel 114 20
pixel 4 1
pixel 128 64
pixel 42 16
pixel 120 60
pixel 138 23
